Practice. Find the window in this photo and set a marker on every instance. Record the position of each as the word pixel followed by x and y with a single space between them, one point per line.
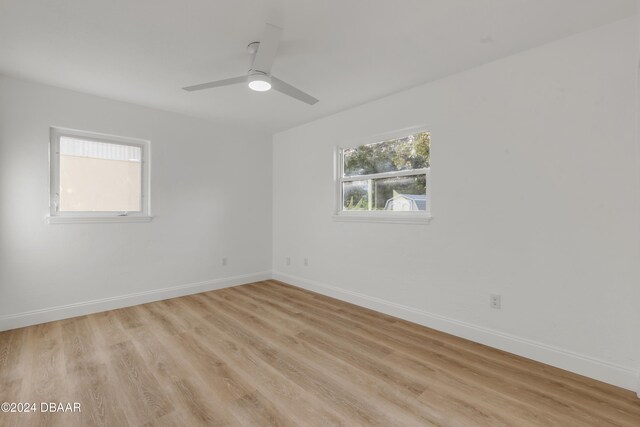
pixel 98 178
pixel 387 180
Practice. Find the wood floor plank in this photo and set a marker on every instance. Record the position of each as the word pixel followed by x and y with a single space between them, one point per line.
pixel 107 330
pixel 186 390
pixel 129 318
pixel 48 380
pixel 12 345
pixel 382 395
pixel 561 381
pixel 301 373
pixel 144 397
pixel 270 354
pixel 432 373
pixel 445 359
pixel 297 402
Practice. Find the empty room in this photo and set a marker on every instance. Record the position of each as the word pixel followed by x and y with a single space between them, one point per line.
pixel 320 213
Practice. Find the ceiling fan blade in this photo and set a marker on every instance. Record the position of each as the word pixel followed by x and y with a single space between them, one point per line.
pixel 225 82
pixel 267 49
pixel 287 89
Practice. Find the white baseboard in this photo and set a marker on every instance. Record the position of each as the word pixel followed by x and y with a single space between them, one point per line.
pixel 601 370
pixel 34 317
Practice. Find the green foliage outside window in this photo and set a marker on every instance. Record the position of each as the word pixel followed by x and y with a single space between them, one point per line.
pixel 402 154
pixel 411 152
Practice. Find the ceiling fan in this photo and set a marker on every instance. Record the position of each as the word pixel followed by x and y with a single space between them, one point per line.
pixel 259 77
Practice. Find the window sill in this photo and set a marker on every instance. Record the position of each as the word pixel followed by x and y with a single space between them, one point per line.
pixel 389 219
pixel 95 219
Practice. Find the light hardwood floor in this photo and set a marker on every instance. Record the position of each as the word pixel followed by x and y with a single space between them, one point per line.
pixel 271 354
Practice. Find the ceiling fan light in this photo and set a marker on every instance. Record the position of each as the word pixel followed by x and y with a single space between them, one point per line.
pixel 259 82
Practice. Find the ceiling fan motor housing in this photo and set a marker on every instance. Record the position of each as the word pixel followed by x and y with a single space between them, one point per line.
pixel 259 81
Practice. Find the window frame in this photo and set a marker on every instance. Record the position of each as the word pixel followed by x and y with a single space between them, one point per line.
pixel 403 217
pixel 57 217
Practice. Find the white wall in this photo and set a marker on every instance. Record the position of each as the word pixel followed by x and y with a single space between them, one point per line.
pixel 535 197
pixel 210 197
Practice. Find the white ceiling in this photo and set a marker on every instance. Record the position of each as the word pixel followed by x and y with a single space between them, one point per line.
pixel 343 52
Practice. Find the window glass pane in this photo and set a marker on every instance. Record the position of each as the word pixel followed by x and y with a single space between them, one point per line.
pixel 404 193
pixel 411 152
pixel 99 176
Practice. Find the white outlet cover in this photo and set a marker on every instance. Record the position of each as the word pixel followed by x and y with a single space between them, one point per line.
pixel 495 301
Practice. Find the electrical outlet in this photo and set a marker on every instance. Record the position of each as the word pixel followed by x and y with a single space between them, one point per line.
pixel 306 262
pixel 495 301
pixel 224 261
pixel 287 261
